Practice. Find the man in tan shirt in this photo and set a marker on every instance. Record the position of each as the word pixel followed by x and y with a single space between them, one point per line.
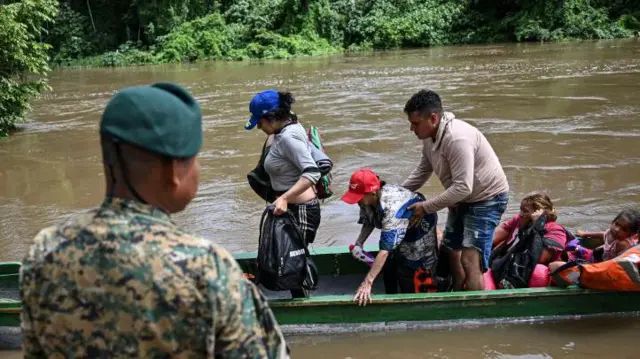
pixel 476 188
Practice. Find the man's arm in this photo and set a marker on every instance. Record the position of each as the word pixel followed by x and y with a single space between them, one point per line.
pixel 365 232
pixel 461 163
pixel 244 325
pixel 419 176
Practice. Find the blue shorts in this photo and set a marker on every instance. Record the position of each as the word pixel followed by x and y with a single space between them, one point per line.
pixel 471 225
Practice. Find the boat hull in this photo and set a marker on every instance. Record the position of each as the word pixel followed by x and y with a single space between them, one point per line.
pixel 340 275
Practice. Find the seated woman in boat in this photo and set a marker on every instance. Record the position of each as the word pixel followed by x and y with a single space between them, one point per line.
pixel 533 206
pixel 408 255
pixel 622 234
pixel 525 245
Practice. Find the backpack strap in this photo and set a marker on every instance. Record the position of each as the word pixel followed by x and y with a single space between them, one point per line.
pixel 550 243
pixel 268 209
pixel 263 156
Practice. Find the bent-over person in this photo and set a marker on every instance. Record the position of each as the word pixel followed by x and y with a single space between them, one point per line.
pixel 476 188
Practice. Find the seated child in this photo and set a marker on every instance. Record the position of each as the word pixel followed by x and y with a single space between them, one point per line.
pixel 622 234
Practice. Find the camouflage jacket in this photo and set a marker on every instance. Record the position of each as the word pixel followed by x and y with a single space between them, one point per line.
pixel 125 281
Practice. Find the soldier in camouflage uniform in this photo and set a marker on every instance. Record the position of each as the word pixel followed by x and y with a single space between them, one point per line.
pixel 123 280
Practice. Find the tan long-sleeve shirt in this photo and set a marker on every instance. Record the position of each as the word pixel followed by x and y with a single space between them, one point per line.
pixel 465 163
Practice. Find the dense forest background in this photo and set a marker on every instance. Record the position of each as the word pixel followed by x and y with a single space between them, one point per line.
pixel 38 34
pixel 126 32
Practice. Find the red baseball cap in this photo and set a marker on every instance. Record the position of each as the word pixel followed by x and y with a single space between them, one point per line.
pixel 362 182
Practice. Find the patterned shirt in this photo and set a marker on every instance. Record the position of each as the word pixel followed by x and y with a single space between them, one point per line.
pixel 125 281
pixel 417 245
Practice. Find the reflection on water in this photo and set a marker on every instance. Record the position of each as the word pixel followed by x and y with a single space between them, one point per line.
pixel 562 117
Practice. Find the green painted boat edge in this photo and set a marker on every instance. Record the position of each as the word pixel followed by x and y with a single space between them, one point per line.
pixel 514 303
pixel 340 309
pixel 525 293
pixel 484 307
pixel 10 267
pixel 10 312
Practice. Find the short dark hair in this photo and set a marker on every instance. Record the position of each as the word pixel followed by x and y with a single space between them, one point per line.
pixel 424 101
pixel 632 217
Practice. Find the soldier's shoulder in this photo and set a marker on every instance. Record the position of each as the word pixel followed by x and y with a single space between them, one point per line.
pixel 51 237
pixel 217 265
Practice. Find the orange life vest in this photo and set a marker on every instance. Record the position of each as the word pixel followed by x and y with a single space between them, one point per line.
pixel 424 281
pixel 621 273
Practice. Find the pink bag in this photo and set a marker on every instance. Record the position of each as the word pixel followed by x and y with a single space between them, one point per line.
pixel 540 277
pixel 489 284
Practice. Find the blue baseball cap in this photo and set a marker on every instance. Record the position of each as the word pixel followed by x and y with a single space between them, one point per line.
pixel 262 103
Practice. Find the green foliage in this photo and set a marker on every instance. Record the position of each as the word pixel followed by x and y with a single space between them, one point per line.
pixel 136 32
pixel 270 45
pixel 383 24
pixel 67 37
pixel 131 32
pixel 204 38
pixel 23 59
pixel 210 38
pixel 630 22
pixel 552 20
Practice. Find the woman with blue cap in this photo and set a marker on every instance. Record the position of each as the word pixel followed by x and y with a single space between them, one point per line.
pixel 292 170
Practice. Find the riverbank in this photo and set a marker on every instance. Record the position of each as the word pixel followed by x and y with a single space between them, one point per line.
pixel 283 29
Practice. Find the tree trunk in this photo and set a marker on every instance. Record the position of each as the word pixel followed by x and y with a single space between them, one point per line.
pixel 93 24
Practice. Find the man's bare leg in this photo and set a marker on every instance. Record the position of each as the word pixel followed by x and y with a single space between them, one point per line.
pixel 457 272
pixel 470 260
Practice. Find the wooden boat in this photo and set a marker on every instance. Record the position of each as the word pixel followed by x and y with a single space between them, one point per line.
pixel 9 295
pixel 331 308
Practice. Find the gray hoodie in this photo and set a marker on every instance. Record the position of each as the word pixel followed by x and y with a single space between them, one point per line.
pixel 290 158
pixel 465 163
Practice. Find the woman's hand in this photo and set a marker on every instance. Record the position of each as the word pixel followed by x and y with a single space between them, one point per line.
pixel 280 206
pixel 580 233
pixel 535 215
pixel 363 294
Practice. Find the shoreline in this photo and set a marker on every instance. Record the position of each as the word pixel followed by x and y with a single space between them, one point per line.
pixel 86 62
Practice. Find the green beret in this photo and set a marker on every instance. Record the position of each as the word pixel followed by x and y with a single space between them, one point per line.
pixel 163 118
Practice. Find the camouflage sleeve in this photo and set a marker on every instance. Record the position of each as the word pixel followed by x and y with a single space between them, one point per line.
pixel 30 345
pixel 244 325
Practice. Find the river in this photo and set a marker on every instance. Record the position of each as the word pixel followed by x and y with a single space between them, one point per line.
pixel 562 117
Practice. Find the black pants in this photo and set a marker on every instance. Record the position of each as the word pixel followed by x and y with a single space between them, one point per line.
pixel 397 275
pixel 308 217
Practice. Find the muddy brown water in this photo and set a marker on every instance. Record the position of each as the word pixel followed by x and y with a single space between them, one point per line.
pixel 563 117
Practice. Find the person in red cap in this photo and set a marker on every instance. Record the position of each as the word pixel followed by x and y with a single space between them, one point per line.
pixel 405 253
